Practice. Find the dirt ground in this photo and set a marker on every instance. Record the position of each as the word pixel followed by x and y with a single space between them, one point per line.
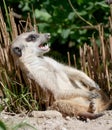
pixel 53 120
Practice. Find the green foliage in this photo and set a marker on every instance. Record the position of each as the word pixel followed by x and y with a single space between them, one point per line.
pixel 2 126
pixel 21 125
pixel 18 99
pixel 61 21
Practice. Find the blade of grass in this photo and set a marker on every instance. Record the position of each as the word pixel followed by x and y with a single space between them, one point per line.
pixel 23 125
pixel 7 15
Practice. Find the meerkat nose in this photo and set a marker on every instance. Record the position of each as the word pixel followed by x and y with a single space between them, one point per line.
pixel 47 35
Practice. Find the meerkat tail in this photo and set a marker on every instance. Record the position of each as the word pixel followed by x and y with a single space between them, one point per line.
pixel 90 116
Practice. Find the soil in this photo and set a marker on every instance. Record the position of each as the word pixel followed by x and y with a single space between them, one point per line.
pixel 53 120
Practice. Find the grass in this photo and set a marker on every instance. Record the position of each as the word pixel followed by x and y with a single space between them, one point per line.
pixel 18 126
pixel 97 60
pixel 21 93
pixel 15 87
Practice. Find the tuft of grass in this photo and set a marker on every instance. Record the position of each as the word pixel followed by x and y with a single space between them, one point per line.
pixel 19 99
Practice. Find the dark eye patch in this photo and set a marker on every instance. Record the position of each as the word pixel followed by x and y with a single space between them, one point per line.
pixel 32 38
pixel 17 51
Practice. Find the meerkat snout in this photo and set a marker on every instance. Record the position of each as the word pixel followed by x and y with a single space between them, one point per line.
pixel 48 35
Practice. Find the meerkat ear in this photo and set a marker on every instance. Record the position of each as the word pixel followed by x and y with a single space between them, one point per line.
pixel 17 51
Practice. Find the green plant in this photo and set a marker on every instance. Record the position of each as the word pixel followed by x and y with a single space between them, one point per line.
pixel 64 22
pixel 18 98
pixel 21 125
pixel 3 126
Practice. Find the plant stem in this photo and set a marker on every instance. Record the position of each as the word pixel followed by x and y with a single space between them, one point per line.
pixel 78 14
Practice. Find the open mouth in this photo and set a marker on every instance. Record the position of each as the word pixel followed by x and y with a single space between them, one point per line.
pixel 44 46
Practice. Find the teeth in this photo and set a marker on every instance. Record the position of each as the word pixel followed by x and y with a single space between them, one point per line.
pixel 44 47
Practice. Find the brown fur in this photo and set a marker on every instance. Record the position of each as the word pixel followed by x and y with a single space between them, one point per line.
pixel 75 94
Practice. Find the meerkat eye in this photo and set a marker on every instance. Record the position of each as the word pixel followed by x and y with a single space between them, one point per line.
pixel 32 37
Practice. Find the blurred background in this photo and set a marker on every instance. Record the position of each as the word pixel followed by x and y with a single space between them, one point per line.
pixel 70 27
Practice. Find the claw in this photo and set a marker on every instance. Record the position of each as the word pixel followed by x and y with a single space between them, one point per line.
pixel 95 86
pixel 92 107
pixel 94 95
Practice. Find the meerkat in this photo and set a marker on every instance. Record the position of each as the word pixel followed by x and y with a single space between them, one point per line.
pixel 73 91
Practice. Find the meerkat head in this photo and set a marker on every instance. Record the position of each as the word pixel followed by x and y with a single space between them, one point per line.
pixel 32 43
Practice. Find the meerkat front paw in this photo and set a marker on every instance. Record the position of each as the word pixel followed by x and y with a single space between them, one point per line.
pixel 93 95
pixel 92 107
